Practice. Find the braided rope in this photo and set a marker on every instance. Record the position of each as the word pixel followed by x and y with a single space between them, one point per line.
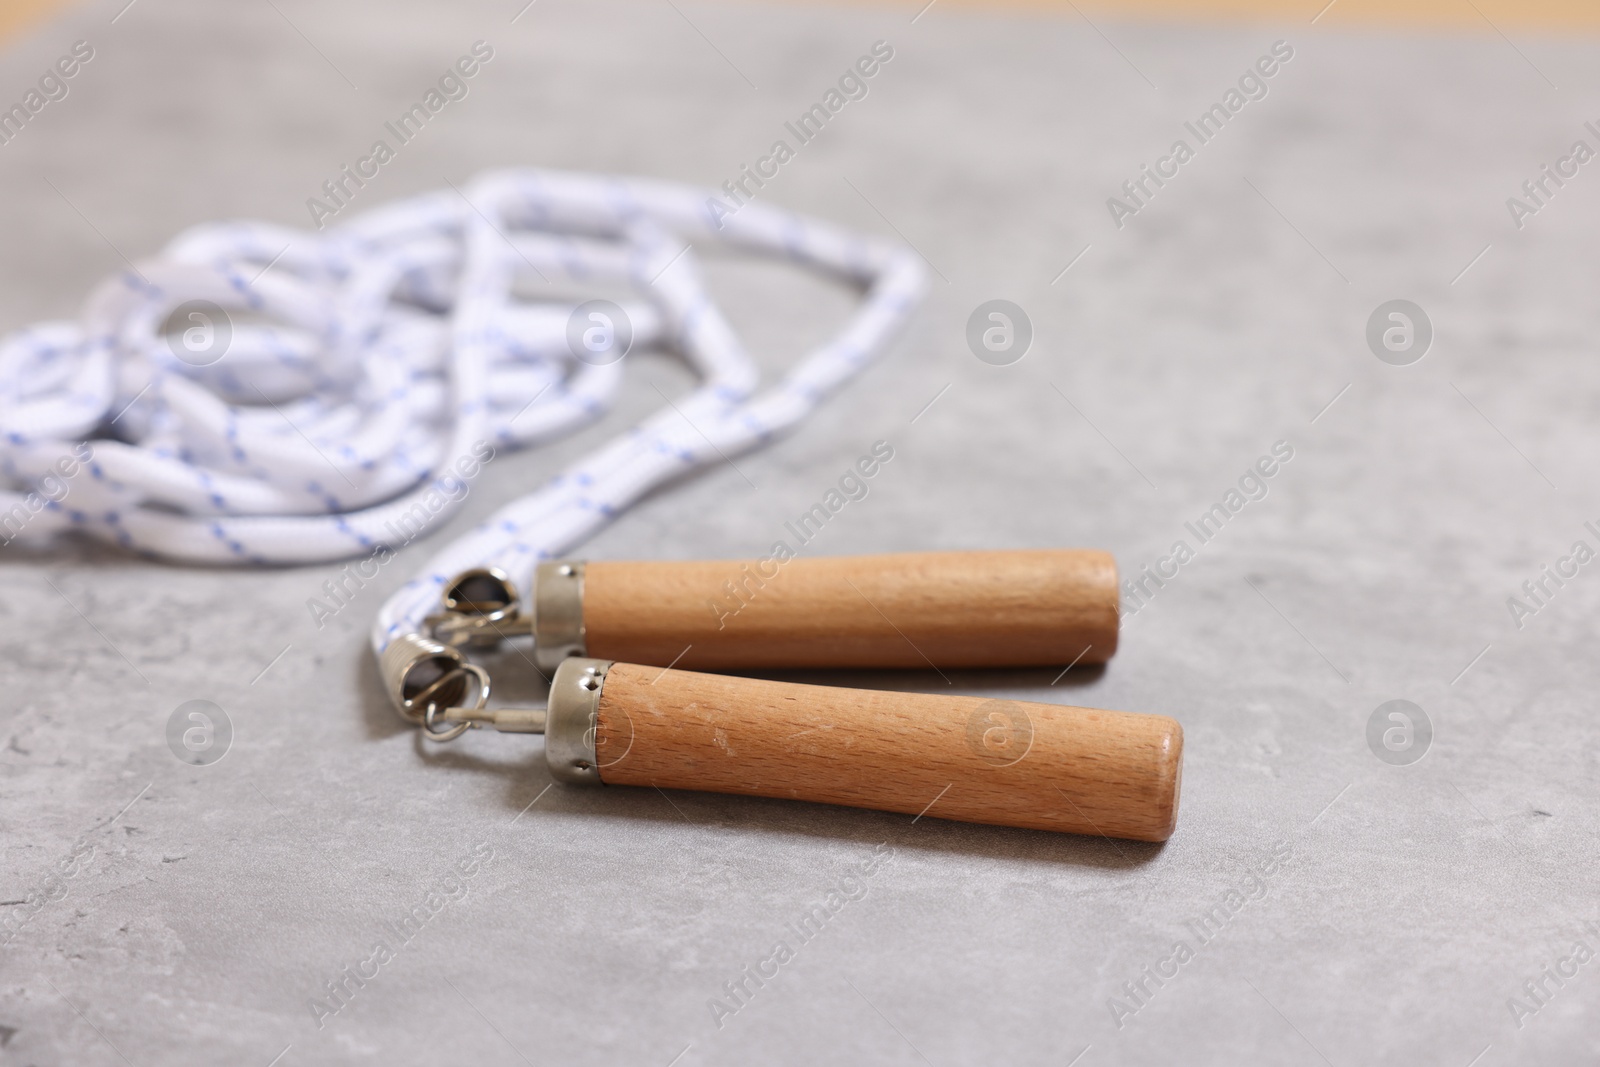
pixel 374 365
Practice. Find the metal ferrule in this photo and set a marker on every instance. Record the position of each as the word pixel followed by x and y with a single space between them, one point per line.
pixel 573 719
pixel 414 666
pixel 558 631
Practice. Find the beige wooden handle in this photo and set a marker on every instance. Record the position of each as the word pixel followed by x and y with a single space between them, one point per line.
pixel 1046 607
pixel 1003 762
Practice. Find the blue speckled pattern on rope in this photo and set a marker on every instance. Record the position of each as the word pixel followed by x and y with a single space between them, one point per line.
pixel 374 357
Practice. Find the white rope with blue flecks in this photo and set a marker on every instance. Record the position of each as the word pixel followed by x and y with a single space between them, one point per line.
pixel 374 357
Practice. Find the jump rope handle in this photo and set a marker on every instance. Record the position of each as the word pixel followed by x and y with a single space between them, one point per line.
pixel 1050 607
pixel 970 759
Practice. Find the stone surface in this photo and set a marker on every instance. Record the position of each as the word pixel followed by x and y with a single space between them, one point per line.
pixel 207 906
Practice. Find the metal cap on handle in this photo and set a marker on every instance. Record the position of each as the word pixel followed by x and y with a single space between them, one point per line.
pixel 558 630
pixel 573 719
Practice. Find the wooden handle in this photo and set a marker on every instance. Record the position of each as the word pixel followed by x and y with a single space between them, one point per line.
pixel 1003 762
pixel 1046 607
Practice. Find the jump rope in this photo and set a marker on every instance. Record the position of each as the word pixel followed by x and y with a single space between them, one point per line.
pixel 262 395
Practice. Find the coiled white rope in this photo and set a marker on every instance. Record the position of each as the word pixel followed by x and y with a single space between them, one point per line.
pixel 376 362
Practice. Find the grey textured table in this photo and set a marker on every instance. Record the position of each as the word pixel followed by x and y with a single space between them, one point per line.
pixel 1402 908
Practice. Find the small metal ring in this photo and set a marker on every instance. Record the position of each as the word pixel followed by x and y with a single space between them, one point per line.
pixel 509 599
pixel 441 736
pixel 430 714
pixel 427 694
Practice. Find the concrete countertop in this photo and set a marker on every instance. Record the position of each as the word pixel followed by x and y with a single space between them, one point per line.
pixel 1330 906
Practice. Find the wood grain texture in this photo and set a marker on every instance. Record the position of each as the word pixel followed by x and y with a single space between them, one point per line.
pixel 971 759
pixel 1046 607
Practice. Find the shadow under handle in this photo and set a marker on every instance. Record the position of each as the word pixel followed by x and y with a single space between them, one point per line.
pixel 970 759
